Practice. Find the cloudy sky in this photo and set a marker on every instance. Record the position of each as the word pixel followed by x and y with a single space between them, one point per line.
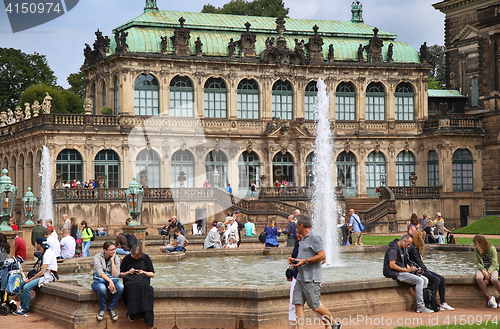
pixel 62 40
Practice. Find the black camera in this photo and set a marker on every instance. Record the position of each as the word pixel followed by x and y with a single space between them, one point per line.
pixel 295 262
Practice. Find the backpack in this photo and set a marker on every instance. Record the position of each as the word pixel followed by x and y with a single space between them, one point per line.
pixel 131 240
pixel 14 283
pixel 430 300
pixel 92 238
pixel 450 239
pixel 263 236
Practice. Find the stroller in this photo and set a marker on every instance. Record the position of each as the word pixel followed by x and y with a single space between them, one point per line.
pixel 12 278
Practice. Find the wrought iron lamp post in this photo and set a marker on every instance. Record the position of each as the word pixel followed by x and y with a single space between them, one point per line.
pixel 29 204
pixel 382 178
pixel 134 195
pixel 8 194
pixel 216 177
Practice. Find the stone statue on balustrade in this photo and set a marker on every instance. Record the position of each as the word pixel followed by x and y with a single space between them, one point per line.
pixel 19 114
pixel 144 178
pixel 3 119
pixel 87 106
pixel 10 117
pixel 46 105
pixel 27 112
pixel 413 178
pixel 36 108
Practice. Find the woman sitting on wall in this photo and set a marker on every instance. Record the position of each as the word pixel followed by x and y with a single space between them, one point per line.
pixel 486 260
pixel 137 270
pixel 413 224
pixel 272 232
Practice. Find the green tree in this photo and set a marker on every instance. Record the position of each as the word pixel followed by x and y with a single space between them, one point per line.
pixel 434 84
pixel 63 101
pixel 436 58
pixel 264 8
pixel 18 71
pixel 78 84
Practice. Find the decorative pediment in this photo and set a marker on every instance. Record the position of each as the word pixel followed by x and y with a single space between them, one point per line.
pixel 300 128
pixel 180 39
pixel 280 54
pixel 247 42
pixel 467 32
pixel 101 47
pixel 315 47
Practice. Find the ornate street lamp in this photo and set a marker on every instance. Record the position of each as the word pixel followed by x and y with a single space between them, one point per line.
pixel 29 203
pixel 8 194
pixel 382 178
pixel 134 195
pixel 216 177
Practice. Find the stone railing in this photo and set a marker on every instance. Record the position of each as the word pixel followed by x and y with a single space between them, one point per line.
pixel 416 192
pixel 295 192
pixel 455 123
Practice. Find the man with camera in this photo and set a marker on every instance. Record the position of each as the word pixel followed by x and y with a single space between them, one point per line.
pixel 397 266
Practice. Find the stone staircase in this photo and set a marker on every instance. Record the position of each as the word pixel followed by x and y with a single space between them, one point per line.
pixel 360 204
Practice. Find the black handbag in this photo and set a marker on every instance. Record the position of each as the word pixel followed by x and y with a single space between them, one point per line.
pixel 289 273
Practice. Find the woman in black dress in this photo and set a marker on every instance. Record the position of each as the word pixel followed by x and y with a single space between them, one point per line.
pixel 137 270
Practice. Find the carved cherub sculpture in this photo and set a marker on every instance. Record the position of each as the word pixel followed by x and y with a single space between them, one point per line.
pixel 27 112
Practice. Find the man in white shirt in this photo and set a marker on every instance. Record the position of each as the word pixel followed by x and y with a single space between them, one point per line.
pixel 66 222
pixel 67 245
pixel 53 243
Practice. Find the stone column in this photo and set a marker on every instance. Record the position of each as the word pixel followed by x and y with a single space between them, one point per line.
pixel 140 233
pixel 26 231
pixel 11 236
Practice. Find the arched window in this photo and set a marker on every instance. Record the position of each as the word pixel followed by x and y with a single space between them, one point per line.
pixel 283 100
pixel 215 98
pixel 248 173
pixel 23 173
pixel 462 171
pixel 182 161
pixel 116 96
pixel 148 163
pixel 309 169
pixel 405 108
pixel 70 165
pixel 283 167
pixel 375 101
pixel 346 170
pixel 216 160
pixel 181 97
pixel 107 163
pixel 375 166
pixel 405 164
pixel 248 99
pixel 310 100
pixel 104 101
pixel 474 92
pixel 146 91
pixel 433 169
pixel 345 102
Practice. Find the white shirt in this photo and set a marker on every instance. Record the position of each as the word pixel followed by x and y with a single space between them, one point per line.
pixel 54 245
pixel 49 258
pixel 68 247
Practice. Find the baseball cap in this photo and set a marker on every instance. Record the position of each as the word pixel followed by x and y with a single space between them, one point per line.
pixel 42 241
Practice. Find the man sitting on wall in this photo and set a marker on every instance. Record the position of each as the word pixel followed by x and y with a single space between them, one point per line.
pixel 121 243
pixel 177 244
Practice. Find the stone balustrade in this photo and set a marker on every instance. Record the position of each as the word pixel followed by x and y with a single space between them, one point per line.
pixel 416 192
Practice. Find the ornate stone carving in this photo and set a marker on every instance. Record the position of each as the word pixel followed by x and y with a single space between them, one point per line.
pixel 391 149
pixel 315 47
pixel 361 150
pixel 423 53
pixel 375 48
pixel 27 111
pixel 198 46
pixel 233 149
pixel 46 105
pixel 377 146
pixel 180 39
pixel 247 43
pixel 280 54
pixel 347 146
pixel 413 178
pixel 273 126
pixel 183 143
pixel 331 54
pixel 19 114
pixel 217 145
pixel 101 47
pixel 144 178
pixel 87 105
pixel 407 145
pixel 10 117
pixel 164 45
pixel 3 119
pixel 390 53
pixel 249 148
pixel 36 108
pixel 300 125
pixel 165 149
pixel 200 150
pixel 284 142
pixel 361 49
pixel 121 42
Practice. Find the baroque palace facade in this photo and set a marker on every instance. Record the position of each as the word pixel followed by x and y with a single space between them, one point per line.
pixel 230 100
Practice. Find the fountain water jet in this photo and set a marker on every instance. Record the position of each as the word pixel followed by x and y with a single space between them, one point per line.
pixel 46 207
pixel 325 208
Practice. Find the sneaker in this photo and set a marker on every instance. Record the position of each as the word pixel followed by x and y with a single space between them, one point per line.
pixel 492 303
pixel 131 317
pixel 114 315
pixel 446 307
pixel 21 312
pixel 424 310
pixel 100 315
pixel 336 325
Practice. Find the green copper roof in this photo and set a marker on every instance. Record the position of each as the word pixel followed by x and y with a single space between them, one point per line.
pixel 445 93
pixel 215 31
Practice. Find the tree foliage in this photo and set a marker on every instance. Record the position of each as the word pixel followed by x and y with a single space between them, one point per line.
pixel 263 8
pixel 78 84
pixel 436 58
pixel 63 101
pixel 18 71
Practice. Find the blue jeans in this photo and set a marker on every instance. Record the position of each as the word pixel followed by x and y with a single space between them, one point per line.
pixel 26 293
pixel 85 248
pixel 102 294
pixel 121 251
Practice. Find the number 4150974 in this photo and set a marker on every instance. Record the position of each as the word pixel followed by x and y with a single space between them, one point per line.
pixel 32 8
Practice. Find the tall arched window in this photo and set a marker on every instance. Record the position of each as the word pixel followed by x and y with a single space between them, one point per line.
pixel 148 163
pixel 248 99
pixel 283 167
pixel 248 172
pixel 310 100
pixel 345 102
pixel 375 166
pixel 283 100
pixel 70 165
pixel 462 171
pixel 405 164
pixel 146 91
pixel 309 169
pixel 375 101
pixel 432 169
pixel 182 161
pixel 346 170
pixel 181 97
pixel 474 92
pixel 116 96
pixel 23 173
pixel 104 101
pixel 405 108
pixel 215 98
pixel 107 163
pixel 217 160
